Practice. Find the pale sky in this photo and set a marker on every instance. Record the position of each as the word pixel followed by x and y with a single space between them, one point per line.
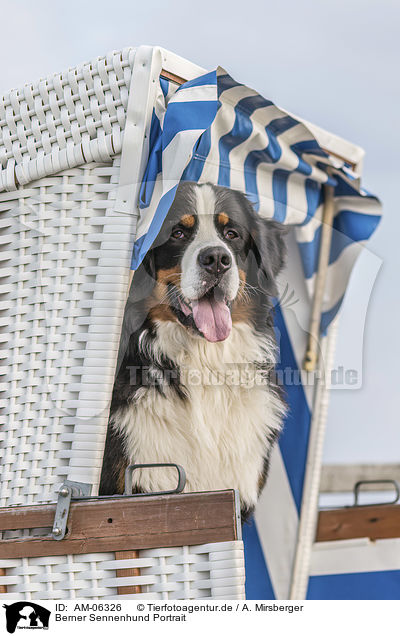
pixel 336 65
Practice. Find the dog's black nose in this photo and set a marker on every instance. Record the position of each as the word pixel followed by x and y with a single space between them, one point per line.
pixel 215 260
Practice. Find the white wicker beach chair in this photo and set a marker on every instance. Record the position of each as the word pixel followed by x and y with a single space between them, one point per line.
pixel 73 148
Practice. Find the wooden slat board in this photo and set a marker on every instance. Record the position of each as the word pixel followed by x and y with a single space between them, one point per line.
pixel 128 589
pixel 375 522
pixel 3 588
pixel 128 523
pixel 172 77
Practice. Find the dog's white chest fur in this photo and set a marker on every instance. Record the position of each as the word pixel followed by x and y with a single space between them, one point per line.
pixel 220 432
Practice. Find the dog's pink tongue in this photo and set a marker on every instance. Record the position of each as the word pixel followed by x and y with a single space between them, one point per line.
pixel 212 318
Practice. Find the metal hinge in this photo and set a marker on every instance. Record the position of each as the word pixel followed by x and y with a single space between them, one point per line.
pixel 68 490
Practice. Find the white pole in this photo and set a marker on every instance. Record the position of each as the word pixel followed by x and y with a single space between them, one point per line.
pixel 319 356
pixel 309 505
pixel 311 357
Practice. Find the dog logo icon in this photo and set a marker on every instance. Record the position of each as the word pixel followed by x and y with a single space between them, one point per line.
pixel 26 615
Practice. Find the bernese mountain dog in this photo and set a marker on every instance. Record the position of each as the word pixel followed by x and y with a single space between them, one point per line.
pixel 195 384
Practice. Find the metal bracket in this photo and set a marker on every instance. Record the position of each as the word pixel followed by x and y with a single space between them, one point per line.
pixel 129 479
pixel 392 482
pixel 77 490
pixel 68 490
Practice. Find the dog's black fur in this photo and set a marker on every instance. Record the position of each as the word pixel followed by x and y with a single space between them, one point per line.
pixel 259 252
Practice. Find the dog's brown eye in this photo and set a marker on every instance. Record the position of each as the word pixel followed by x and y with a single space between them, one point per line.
pixel 178 234
pixel 230 234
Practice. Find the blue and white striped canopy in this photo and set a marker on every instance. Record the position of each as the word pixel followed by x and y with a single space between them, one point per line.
pixel 213 129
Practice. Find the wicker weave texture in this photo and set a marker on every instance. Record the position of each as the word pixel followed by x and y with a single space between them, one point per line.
pixel 65 254
pixel 65 257
pixel 66 244
pixel 214 570
pixel 65 120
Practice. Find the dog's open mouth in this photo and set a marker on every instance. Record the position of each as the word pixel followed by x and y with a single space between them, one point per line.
pixel 211 314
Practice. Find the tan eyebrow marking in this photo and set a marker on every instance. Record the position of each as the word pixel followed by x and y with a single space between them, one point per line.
pixel 223 219
pixel 171 275
pixel 187 220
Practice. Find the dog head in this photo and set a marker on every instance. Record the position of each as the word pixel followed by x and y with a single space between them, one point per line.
pixel 214 261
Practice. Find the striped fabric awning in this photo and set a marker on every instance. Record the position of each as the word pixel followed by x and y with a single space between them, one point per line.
pixel 213 129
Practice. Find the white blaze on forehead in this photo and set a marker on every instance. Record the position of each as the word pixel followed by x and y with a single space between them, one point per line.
pixel 206 232
pixel 205 200
pixel 206 236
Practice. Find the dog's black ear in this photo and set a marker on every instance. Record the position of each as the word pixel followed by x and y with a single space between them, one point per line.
pixel 270 251
pixel 143 282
